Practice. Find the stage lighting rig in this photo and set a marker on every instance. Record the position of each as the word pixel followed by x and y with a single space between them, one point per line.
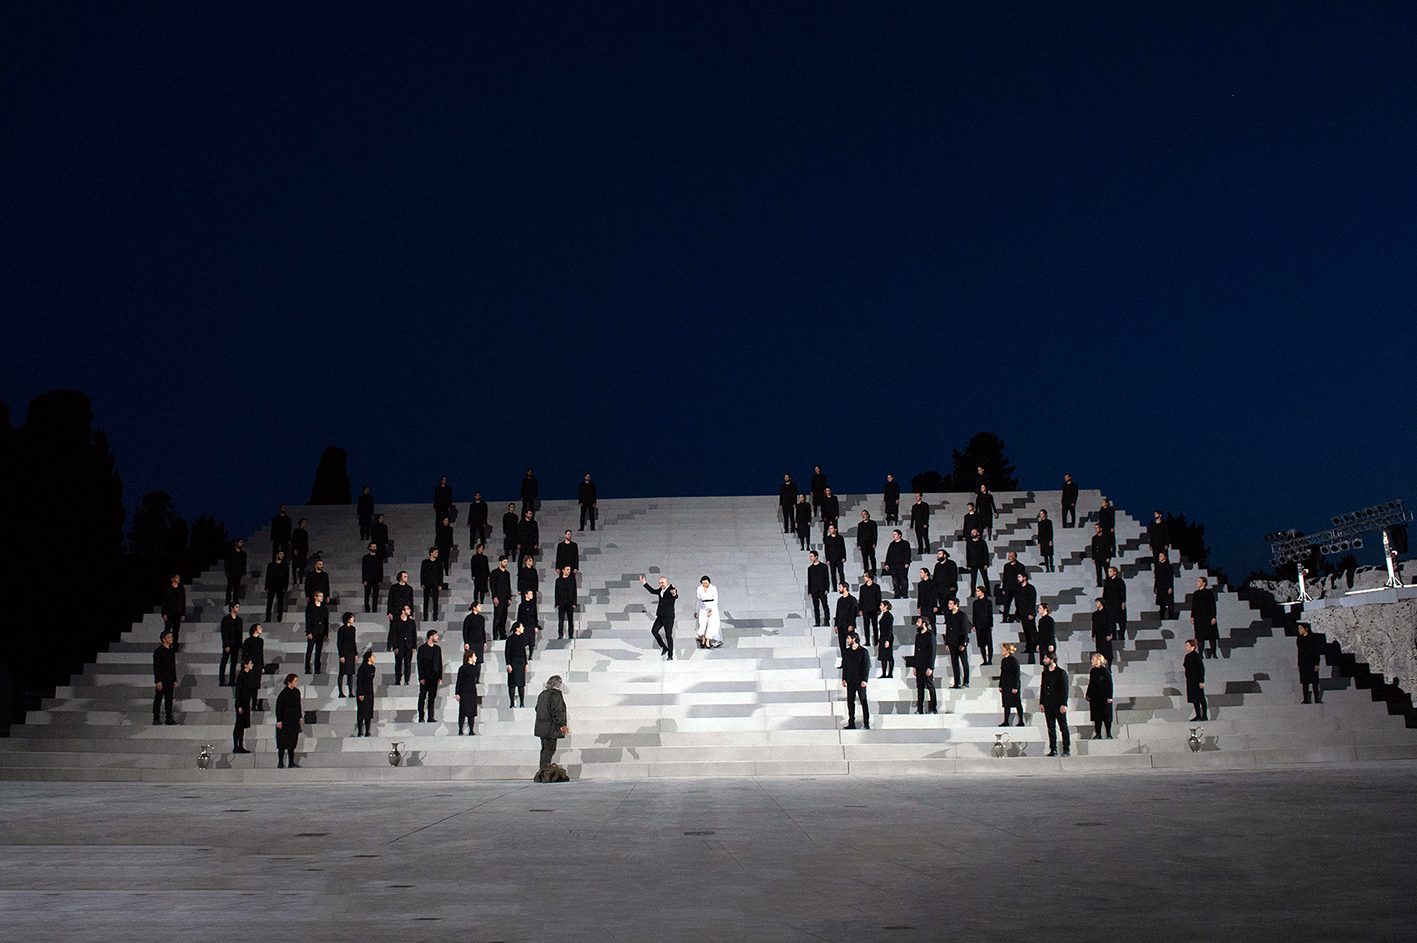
pixel 1290 546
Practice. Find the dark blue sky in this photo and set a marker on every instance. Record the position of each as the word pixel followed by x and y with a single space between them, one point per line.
pixel 686 246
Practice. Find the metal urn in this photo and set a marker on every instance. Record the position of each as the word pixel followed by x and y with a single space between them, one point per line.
pixel 396 755
pixel 204 756
pixel 1001 748
pixel 1195 740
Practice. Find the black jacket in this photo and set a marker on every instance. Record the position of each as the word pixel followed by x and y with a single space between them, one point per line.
pixel 565 591
pixel 819 486
pixel 288 711
pixel 818 578
pixel 371 569
pixel 174 600
pixel 527 615
pixel 317 580
pixel 870 598
pixel 500 581
pixel 1158 536
pixel 891 493
pixel 236 563
pixel 430 662
pixel 984 505
pixel 667 597
pixel 280 528
pixel 550 714
pixel 481 569
pixel 516 648
pixel 443 497
pixel 924 654
pixel 477 515
pixel 855 668
pixel 1114 594
pixel 835 548
pixel 568 555
pixel 1309 651
pixel 529 536
pixel 528 579
pixel 897 555
pixel 474 633
pixel 300 543
pixel 364 684
pixel 1099 686
pixel 379 533
pixel 1053 687
pixel 232 632
pixel 983 613
pixel 1101 627
pixel 956 629
pixel 277 576
pixel 1027 600
pixel 925 598
pixel 529 491
pixel 443 538
pixel 1070 494
pixel 976 553
pixel 1009 575
pixel 1195 671
pixel 254 650
pixel 831 508
pixel 1010 675
pixel 164 665
pixel 430 573
pixel 405 634
pixel 585 493
pixel 399 596
pixel 317 621
pixel 920 515
pixel 510 520
pixel 248 685
pixel 866 534
pixel 787 495
pixel 1044 537
pixel 803 517
pixel 1107 517
pixel 847 610
pixel 365 507
pixel 347 646
pixel 972 522
pixel 468 676
pixel 1047 634
pixel 1164 575
pixel 1102 547
pixel 1202 612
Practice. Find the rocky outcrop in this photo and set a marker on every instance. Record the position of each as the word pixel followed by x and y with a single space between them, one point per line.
pixel 1382 635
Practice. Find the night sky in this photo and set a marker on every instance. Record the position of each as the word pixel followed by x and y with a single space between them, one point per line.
pixel 1168 248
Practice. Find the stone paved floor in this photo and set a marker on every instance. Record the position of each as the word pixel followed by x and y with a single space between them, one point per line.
pixel 1282 854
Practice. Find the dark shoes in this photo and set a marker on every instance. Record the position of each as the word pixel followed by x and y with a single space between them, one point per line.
pixel 849 727
pixel 240 750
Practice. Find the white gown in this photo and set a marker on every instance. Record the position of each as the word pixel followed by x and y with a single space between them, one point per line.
pixel 708 613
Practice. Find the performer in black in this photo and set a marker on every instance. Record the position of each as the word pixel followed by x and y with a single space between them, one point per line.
pixel 1195 681
pixel 404 634
pixel 480 569
pixel 430 577
pixel 235 571
pixel 379 534
pixel 500 583
pixel 585 497
pixel 565 604
pixel 987 510
pixel 280 533
pixel 946 578
pixel 430 673
pixel 1010 680
pixel 922 659
pixel 289 718
pixel 1046 635
pixel 976 557
pixel 866 545
pixel 364 695
pixel 465 691
pixel 515 654
pixel 1309 656
pixel 982 609
pixel 1008 579
pixel 1101 550
pixel 844 620
pixel 891 500
pixel 803 522
pixel 365 510
pixel 347 649
pixel 870 599
pixel 897 565
pixel 511 521
pixel 442 500
pixel 834 545
pixel 831 511
pixel 957 641
pixel 663 615
pixel 1053 698
pixel 855 672
pixel 1158 535
pixel 254 651
pixel 787 503
pixel 474 632
pixel 818 584
pixel 164 677
pixel 1114 600
pixel 1099 696
pixel 371 571
pixel 299 552
pixel 920 521
pixel 885 641
pixel 1203 621
pixel 233 633
pixel 530 489
pixel 174 607
pixel 277 582
pixel 1044 538
pixel 477 528
pixel 1101 629
pixel 317 632
pixel 1164 577
pixel 1070 502
pixel 248 685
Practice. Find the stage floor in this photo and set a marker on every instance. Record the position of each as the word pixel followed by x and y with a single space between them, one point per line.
pixel 1278 854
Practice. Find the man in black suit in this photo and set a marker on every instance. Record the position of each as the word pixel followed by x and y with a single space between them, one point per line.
pixel 404 635
pixel 568 554
pixel 371 571
pixel 1053 698
pixel 1195 681
pixel 1008 579
pixel 233 633
pixel 819 487
pixel 379 534
pixel 299 552
pixel 1114 603
pixel 1310 654
pixel 957 642
pixel 365 510
pixel 478 531
pixel 866 544
pixel 926 599
pixel 443 540
pixel 1164 577
pixel 1101 550
pixel 803 521
pixel 787 503
pixel 1044 538
pixel 430 673
pixel 164 676
pixel 920 521
pixel 987 510
pixel 430 577
pixel 663 615
pixel 400 595
pixel 528 537
pixel 530 490
pixel 1026 605
pixel 891 500
pixel 855 671
pixel 585 497
pixel 870 600
pixel 499 583
pixel 347 655
pixel 442 500
pixel 922 660
pixel 511 521
pixel 253 650
pixel 565 603
pixel 1070 502
pixel 280 533
pixel 945 577
pixel 897 565
pixel 474 631
pixel 277 582
pixel 976 557
pixel 818 582
pixel 317 632
pixel 318 581
pixel 235 571
pixel 847 609
pixel 834 545
pixel 831 511
pixel 1203 620
pixel 1158 535
pixel 1107 517
pixel 174 607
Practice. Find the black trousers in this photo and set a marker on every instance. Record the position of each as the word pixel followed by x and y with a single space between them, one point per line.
pixel 173 624
pixel 1070 515
pixel 821 614
pixel 566 621
pixel 233 589
pixel 923 683
pixel 162 697
pixel 922 540
pixel 499 621
pixel 837 569
pixel 803 539
pixel 869 627
pixel 365 525
pixel 666 644
pixel 1100 567
pixel 589 514
pixel 868 558
pixel 1030 633
pixel 297 569
pixel 852 696
pixel 403 665
pixel 427 694
pixel 548 750
pixel 1048 559
pixel 516 685
pixel 467 712
pixel 509 547
pixel 1010 599
pixel 1166 608
pixel 788 517
pixel 900 583
pixel 979 574
pixel 1056 719
pixel 346 672
pixel 841 633
pixel 371 597
pixel 1309 680
pixel 959 664
pixel 1198 702
pixel 430 595
pixel 985 639
pixel 479 590
pixel 316 647
pixel 1012 701
pixel 276 599
pixel 892 512
pixel 225 675
pixel 1119 625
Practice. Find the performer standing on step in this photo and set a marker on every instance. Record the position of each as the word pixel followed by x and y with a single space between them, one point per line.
pixel 430 577
pixel 465 692
pixel 478 529
pixel 1099 696
pixel 277 582
pixel 317 632
pixel 164 677
pixel 371 574
pixel 347 649
pixel 1046 635
pixel 834 545
pixel 280 533
pixel 404 637
pixel 364 694
pixel 1114 600
pixel 551 724
pixel 946 578
pixel 818 487
pixel 710 624
pixel 480 569
pixel 1164 580
pixel 976 557
pixel 299 552
pixel 430 675
pixel 585 497
pixel 922 659
pixel 885 641
pixel 515 655
pixel 787 503
pixel 870 599
pixel 986 508
pixel 1053 698
pixel 1010 680
pixel 803 522
pixel 235 571
pixel 1008 579
pixel 379 536
pixel 866 545
pixel 1070 502
pixel 983 611
pixel 568 554
pixel 289 718
pixel 233 633
pixel 1101 550
pixel 500 585
pixel 442 500
pixel 1195 681
pixel 831 512
pixel 248 685
pixel 1203 621
pixel 891 500
pixel 1101 629
pixel 920 521
pixel 1027 609
pixel 818 584
pixel 1158 535
pixel 510 522
pixel 897 565
pixel 530 493
pixel 365 510
pixel 565 604
pixel 317 580
pixel 1044 538
pixel 957 641
pixel 845 619
pixel 1309 655
pixel 174 607
pixel 254 651
pixel 400 597
pixel 663 615
pixel 855 671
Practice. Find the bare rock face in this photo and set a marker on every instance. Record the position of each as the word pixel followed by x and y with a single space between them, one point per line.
pixel 1383 635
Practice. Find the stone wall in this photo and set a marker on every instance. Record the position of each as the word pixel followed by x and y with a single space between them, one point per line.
pixel 1383 635
pixel 1367 577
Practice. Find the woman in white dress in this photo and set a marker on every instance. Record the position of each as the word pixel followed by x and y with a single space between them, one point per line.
pixel 710 633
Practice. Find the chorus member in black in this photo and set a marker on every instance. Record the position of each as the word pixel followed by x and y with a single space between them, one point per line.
pixel 1010 681
pixel 400 598
pixel 1070 502
pixel 585 497
pixel 946 577
pixel 528 537
pixel 885 641
pixel 1008 579
pixel 405 636
pixel 280 533
pixel 1164 583
pixel 1044 538
pixel 855 672
pixel 474 631
pixel 481 570
pixel 500 585
pixel 299 552
pixel 277 582
pixel 818 584
pixel 477 527
pixel 528 578
pixel 164 677
pixel 317 581
pixel 957 642
pixel 831 511
pixel 787 503
pixel 365 509
pixel 1101 550
pixel 443 540
pixel 1028 610
pixel 1053 698
pixel 920 522
pixel 430 577
pixel 847 610
pixel 1310 654
pixel 290 716
pixel 248 685
pixel 1107 517
pixel 987 510
pixel 442 500
pixel 235 571
pixel 565 604
pixel 1046 636
pixel 663 614
pixel 891 500
pixel 819 487
pixel 1099 696
pixel 364 696
pixel 866 544
pixel 371 574
pixel 870 599
pixel 976 557
pixel 925 598
pixel 174 607
pixel 465 691
pixel 430 675
pixel 983 611
pixel 1203 619
pixel 347 650
pixel 803 522
pixel 568 554
pixel 379 535
pixel 1195 681
pixel 233 633
pixel 511 521
pixel 1158 535
pixel 834 546
pixel 1101 629
pixel 254 651
pixel 922 660
pixel 897 565
pixel 530 620
pixel 515 655
pixel 317 632
pixel 1114 600
pixel 530 491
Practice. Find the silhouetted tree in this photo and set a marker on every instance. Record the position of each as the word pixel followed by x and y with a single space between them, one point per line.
pixel 984 450
pixel 331 478
pixel 207 544
pixel 158 535
pixel 927 482
pixel 1188 538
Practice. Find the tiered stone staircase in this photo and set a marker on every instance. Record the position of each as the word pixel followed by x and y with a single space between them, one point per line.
pixel 768 702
